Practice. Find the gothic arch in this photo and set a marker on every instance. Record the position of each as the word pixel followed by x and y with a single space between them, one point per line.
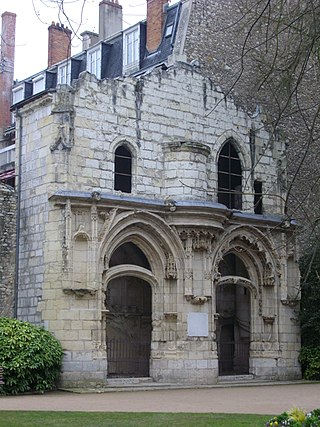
pixel 239 144
pixel 150 233
pixel 253 248
pixel 130 270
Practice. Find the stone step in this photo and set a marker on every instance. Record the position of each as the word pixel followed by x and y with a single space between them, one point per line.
pixel 114 382
pixel 231 379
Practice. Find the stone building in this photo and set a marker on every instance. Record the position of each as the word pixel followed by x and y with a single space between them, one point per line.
pixel 153 241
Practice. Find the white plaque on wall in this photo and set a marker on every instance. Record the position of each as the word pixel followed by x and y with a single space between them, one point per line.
pixel 198 325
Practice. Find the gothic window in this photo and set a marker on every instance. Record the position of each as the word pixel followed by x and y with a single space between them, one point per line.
pixel 123 169
pixel 229 177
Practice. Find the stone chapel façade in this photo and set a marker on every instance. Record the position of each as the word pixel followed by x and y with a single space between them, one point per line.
pixel 153 241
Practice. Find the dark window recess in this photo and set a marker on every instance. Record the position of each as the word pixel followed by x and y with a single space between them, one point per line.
pixel 229 177
pixel 257 197
pixel 129 253
pixel 123 170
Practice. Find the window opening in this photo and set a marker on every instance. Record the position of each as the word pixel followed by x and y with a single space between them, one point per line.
pixel 232 265
pixel 229 177
pixel 17 94
pixel 131 52
pixel 169 30
pixel 258 207
pixel 123 169
pixel 132 46
pixel 129 253
pixel 64 73
pixel 94 62
pixel 39 84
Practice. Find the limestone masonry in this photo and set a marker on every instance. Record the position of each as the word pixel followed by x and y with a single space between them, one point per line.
pixel 152 236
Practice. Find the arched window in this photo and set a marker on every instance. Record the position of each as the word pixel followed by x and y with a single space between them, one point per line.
pixel 229 177
pixel 123 169
pixel 129 253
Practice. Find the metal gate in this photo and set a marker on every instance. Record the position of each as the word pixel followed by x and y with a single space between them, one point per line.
pixel 233 357
pixel 128 358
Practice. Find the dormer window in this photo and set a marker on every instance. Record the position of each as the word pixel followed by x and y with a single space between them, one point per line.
pixel 17 94
pixel 131 51
pixel 64 73
pixel 94 61
pixel 38 83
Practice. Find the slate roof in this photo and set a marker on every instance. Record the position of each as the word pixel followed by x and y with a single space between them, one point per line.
pixel 111 58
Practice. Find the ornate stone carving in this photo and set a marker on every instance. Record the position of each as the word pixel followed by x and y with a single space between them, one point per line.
pixel 268 276
pixel 197 300
pixel 196 239
pixel 188 274
pixel 268 320
pixel 170 316
pixel 171 269
pixel 290 302
pixel 61 140
pixel 81 292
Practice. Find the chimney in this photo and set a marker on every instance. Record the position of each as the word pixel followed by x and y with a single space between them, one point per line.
pixel 59 43
pixel 8 32
pixel 89 39
pixel 110 18
pixel 155 21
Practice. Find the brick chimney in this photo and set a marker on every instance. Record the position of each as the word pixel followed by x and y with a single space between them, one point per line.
pixel 155 21
pixel 59 43
pixel 110 18
pixel 8 33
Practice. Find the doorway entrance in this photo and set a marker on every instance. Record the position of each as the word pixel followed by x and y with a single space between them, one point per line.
pixel 233 329
pixel 234 314
pixel 128 328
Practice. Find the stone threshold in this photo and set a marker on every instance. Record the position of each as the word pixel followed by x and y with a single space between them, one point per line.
pixel 147 384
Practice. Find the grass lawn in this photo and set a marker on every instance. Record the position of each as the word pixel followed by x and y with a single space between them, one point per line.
pixel 116 419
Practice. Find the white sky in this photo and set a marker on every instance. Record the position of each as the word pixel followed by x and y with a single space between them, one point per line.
pixel 34 17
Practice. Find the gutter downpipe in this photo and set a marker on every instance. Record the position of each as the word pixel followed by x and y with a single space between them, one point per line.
pixel 17 258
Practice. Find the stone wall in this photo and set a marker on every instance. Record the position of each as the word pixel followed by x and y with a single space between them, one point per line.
pixel 7 249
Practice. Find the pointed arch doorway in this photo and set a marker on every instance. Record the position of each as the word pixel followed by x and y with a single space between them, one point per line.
pixel 129 317
pixel 233 302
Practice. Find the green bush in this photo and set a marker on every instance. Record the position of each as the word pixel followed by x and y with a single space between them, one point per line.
pixel 310 362
pixel 30 356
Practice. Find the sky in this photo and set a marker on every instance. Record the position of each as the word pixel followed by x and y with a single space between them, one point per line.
pixel 35 16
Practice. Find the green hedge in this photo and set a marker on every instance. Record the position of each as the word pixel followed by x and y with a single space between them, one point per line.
pixel 30 356
pixel 310 362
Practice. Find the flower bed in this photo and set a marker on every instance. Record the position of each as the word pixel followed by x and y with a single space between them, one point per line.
pixel 296 418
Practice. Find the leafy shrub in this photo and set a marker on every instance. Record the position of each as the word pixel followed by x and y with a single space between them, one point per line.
pixel 310 362
pixel 30 356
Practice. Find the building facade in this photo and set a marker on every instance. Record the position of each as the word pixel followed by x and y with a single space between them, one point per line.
pixel 153 240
